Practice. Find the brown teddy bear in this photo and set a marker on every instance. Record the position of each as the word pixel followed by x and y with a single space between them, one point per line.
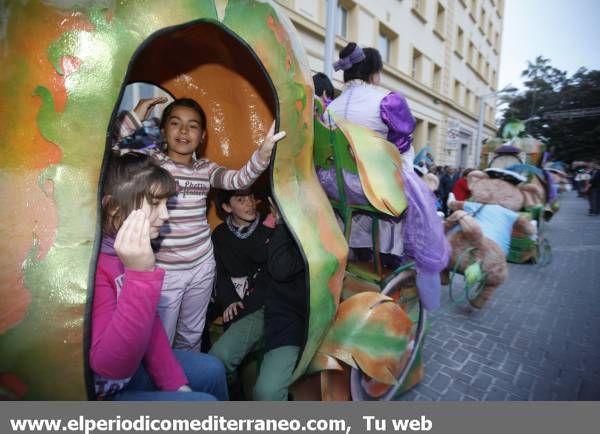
pixel 486 222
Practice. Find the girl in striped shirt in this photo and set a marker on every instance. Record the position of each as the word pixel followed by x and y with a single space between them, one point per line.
pixel 184 247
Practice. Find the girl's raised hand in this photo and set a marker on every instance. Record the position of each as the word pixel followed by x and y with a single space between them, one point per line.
pixel 271 138
pixel 145 106
pixel 132 243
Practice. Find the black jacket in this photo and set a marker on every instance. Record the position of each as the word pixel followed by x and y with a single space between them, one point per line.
pixel 286 302
pixel 237 257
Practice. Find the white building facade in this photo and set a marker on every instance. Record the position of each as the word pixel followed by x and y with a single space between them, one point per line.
pixel 442 55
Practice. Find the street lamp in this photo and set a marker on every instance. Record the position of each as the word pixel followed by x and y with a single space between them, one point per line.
pixel 482 98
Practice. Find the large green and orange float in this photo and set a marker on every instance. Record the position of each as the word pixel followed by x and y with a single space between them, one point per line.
pixel 64 70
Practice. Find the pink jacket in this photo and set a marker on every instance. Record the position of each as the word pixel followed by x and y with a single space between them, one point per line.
pixel 126 328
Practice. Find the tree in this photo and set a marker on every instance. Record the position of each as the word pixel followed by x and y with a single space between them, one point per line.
pixel 559 108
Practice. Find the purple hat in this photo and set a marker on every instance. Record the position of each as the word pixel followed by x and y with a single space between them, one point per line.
pixel 345 63
pixel 508 149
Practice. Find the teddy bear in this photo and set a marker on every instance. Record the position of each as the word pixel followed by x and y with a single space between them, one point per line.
pixel 486 222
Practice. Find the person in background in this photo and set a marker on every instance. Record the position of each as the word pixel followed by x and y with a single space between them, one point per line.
pixel 445 187
pixel 593 190
pixel 460 191
pixel 323 88
pixel 456 174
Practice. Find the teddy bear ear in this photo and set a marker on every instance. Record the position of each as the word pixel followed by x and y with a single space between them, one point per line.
pixel 476 175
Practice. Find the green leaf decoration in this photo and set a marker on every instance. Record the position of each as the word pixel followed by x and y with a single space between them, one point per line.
pixel 370 332
pixel 379 163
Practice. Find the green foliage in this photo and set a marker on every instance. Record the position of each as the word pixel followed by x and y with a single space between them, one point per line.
pixel 557 109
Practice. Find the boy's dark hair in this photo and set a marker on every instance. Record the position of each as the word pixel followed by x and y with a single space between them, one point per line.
pixel 364 69
pixel 323 84
pixel 130 179
pixel 183 102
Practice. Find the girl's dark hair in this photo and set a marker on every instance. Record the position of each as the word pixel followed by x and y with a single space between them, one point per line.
pixel 130 179
pixel 183 102
pixel 323 84
pixel 364 69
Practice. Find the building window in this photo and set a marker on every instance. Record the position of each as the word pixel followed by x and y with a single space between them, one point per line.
pixel 476 105
pixel 490 113
pixel 418 135
pixel 473 10
pixel 440 20
pixel 493 80
pixel 497 42
pixel 431 135
pixel 468 95
pixel 460 41
pixel 490 33
pixel 436 81
pixel 471 54
pixel 384 47
pixel 419 8
pixel 416 64
pixel 487 71
pixel 481 19
pixel 342 21
pixel 456 94
pixel 480 63
pixel 388 44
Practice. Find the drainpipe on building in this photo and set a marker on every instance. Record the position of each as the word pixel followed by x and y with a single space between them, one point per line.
pixel 478 137
pixel 329 38
pixel 480 129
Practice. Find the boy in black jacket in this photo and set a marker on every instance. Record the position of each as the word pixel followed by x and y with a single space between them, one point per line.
pixel 260 287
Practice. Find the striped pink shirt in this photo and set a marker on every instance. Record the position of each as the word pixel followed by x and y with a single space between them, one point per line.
pixel 185 237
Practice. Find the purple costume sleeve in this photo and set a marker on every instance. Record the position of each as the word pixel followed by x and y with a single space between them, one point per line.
pixel 396 115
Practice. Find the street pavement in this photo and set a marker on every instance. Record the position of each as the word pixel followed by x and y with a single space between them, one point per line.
pixel 538 338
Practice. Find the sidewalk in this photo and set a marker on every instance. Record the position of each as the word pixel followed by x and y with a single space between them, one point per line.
pixel 538 339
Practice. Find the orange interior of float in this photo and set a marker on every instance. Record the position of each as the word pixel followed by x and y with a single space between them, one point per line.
pixel 205 62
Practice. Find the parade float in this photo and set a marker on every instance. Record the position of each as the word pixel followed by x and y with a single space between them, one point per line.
pixel 518 158
pixel 64 72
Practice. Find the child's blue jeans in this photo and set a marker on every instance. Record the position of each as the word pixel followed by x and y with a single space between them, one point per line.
pixel 206 377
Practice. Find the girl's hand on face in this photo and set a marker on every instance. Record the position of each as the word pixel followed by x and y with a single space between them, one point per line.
pixel 145 106
pixel 271 138
pixel 232 310
pixel 132 243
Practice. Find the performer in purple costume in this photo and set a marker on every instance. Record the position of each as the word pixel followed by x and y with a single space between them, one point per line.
pixel 419 233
